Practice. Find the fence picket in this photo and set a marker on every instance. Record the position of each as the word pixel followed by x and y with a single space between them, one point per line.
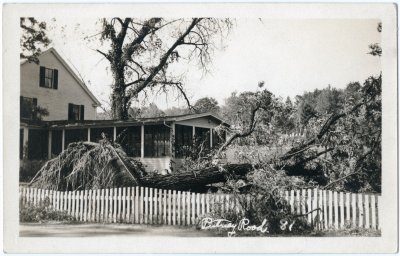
pixel 373 212
pixel 347 209
pixel 325 205
pixel 179 208
pixel 367 209
pixel 169 207
pixel 341 208
pixel 298 201
pixel 137 205
pixel 141 205
pixel 193 208
pixel 174 207
pixel 160 193
pixel 330 209
pixel 150 205
pixel 146 205
pixel 155 218
pixel 308 196
pixel 360 211
pixel 379 202
pixel 354 209
pixel 336 209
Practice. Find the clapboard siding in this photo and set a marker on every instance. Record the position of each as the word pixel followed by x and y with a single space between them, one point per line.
pixel 55 101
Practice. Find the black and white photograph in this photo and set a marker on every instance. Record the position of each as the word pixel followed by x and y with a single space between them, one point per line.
pixel 184 126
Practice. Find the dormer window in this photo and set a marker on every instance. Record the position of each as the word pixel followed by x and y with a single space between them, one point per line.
pixel 48 78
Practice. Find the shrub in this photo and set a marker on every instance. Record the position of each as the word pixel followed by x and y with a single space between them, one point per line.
pixel 42 213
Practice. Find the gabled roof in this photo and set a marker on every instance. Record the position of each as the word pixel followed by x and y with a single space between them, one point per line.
pixel 65 64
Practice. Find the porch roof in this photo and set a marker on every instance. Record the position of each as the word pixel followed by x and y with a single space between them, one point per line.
pixel 139 121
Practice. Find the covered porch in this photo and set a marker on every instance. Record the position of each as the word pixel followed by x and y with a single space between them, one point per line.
pixel 157 143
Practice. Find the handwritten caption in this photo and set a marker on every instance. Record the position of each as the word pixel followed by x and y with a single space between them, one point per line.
pixel 243 225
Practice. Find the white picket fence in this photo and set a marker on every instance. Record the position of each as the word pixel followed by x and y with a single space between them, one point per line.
pixel 337 210
pixel 144 205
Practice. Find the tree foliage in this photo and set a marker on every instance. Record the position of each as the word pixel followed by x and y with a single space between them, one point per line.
pixel 206 104
pixel 33 39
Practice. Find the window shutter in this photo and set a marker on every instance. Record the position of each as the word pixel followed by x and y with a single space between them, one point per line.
pixel 55 79
pixel 70 113
pixel 82 114
pixel 42 74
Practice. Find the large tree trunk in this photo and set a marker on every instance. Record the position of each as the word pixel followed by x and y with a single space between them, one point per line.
pixel 196 180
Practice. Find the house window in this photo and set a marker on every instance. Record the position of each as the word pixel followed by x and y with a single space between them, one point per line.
pixel 27 106
pixel 48 78
pixel 202 137
pixel 76 112
pixel 38 144
pixel 130 140
pixel 75 135
pixel 156 141
pixel 183 140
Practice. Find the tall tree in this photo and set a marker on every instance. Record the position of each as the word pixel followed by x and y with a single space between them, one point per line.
pixel 33 39
pixel 141 53
pixel 206 104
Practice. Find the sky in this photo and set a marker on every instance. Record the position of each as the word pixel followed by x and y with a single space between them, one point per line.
pixel 290 55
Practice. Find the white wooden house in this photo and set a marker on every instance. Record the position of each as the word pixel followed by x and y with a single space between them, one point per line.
pixel 52 85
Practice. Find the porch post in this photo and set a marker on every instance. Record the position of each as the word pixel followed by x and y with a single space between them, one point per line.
pixel 194 131
pixel 25 143
pixel 49 144
pixel 142 142
pixel 88 134
pixel 63 139
pixel 172 141
pixel 115 133
pixel 211 136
